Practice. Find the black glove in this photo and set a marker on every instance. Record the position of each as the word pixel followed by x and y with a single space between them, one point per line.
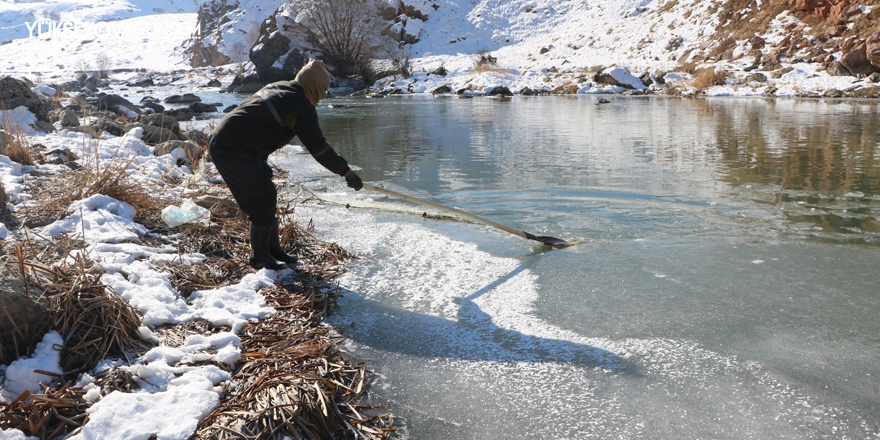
pixel 354 181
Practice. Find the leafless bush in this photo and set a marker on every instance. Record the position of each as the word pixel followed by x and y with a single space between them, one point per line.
pixel 239 55
pixel 102 62
pixel 347 31
pixel 82 68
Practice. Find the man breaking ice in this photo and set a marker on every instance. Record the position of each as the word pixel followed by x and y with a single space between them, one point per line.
pixel 240 146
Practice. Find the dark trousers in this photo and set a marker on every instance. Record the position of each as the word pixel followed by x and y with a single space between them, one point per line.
pixel 247 178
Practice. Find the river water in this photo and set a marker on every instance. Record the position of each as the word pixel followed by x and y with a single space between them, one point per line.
pixel 722 282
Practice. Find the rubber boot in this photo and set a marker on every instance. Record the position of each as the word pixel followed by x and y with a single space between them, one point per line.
pixel 260 256
pixel 275 248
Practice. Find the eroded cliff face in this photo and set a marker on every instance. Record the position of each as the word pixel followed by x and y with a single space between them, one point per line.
pixel 841 35
pixel 203 47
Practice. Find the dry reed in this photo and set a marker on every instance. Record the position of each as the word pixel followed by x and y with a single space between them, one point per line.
pixel 705 78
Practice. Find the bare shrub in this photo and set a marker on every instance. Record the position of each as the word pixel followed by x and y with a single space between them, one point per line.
pixel 484 61
pixel 82 69
pixel 347 31
pixel 239 56
pixel 708 77
pixel 102 62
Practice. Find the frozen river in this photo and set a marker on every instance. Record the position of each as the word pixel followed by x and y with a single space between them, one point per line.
pixel 722 285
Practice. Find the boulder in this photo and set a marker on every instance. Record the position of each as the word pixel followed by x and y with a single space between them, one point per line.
pixel 145 82
pixel 181 114
pixel 230 108
pixel 182 99
pixel 108 125
pixel 441 90
pixel 274 58
pixel 245 84
pixel 16 93
pixel 153 135
pixel 192 151
pixel 162 120
pixel 198 136
pixel 837 69
pixel 68 118
pixel 872 49
pixel 214 83
pixel 118 105
pixel 856 61
pixel 198 107
pixel 499 91
pixel 618 76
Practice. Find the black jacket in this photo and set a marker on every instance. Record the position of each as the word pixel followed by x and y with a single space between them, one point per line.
pixel 270 119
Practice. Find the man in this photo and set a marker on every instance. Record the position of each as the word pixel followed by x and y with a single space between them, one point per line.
pixel 265 122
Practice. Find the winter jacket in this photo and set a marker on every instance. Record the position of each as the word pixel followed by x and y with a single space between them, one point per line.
pixel 270 119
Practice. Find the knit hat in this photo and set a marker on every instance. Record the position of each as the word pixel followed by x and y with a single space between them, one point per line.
pixel 313 77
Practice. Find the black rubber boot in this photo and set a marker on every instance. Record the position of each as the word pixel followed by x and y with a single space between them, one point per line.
pixel 275 248
pixel 260 256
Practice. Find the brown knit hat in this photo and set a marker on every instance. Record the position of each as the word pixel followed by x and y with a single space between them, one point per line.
pixel 314 78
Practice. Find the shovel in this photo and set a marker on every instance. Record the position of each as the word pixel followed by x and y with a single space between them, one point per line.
pixel 549 241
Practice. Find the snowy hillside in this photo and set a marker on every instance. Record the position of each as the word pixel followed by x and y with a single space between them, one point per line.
pixel 19 19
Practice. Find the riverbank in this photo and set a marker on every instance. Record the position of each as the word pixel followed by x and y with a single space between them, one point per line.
pixel 138 328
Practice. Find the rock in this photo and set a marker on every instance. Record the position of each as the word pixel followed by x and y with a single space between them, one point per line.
pixel 874 77
pixel 181 114
pixel 756 77
pixel 867 92
pixel 199 137
pixel 16 93
pixel 43 126
pixel 856 61
pixel 59 157
pixel 178 99
pixel 110 126
pixel 145 82
pixel 192 151
pixel 872 49
pixel 832 93
pixel 230 108
pixel 618 76
pixel 273 56
pixel 499 91
pixel 198 107
pixel 441 90
pixel 245 84
pixel 152 135
pixel 837 69
pixel 214 83
pixel 118 105
pixel 527 91
pixel 68 118
pixel 162 120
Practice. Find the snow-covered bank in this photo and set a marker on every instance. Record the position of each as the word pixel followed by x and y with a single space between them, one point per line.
pixel 180 378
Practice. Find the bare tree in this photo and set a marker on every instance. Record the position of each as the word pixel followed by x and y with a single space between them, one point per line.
pixel 102 62
pixel 346 30
pixel 239 55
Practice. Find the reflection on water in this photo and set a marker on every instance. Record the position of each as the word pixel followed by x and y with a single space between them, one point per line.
pixel 811 165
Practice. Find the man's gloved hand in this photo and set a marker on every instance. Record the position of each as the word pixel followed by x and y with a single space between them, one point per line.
pixel 353 181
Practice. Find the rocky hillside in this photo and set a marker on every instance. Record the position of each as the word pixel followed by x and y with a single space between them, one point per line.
pixel 841 37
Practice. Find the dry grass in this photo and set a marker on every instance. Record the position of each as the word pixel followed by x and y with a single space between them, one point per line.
pixel 18 149
pixel 705 78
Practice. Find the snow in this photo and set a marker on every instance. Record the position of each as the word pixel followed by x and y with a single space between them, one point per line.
pixel 175 394
pixel 20 374
pixel 540 44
